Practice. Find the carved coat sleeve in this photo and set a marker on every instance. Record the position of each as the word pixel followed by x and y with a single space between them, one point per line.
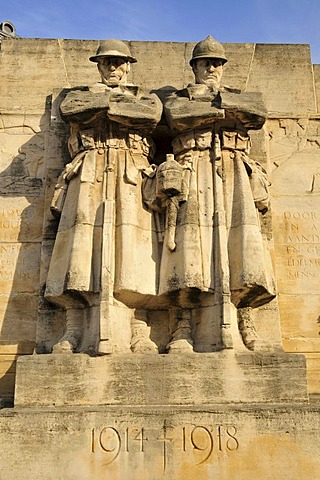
pixel 125 108
pixel 81 105
pixel 135 111
pixel 185 114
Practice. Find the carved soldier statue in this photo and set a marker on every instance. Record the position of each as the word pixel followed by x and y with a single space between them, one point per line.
pixel 105 237
pixel 214 253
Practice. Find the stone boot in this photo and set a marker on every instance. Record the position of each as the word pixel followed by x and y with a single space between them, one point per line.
pixel 248 332
pixel 73 332
pixel 180 327
pixel 140 339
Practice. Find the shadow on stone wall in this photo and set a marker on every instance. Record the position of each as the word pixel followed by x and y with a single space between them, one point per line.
pixel 21 218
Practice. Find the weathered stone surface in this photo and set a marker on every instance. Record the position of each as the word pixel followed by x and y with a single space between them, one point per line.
pixel 7 374
pixel 153 443
pixel 250 67
pixel 17 317
pixel 22 167
pixel 22 139
pixel 284 77
pixel 152 75
pixel 295 154
pixel 316 72
pixel 47 58
pixel 313 371
pixel 196 379
pixel 20 220
pixel 19 267
pixel 300 322
pixel 8 356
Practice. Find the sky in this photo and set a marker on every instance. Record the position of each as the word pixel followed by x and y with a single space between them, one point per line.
pixel 229 21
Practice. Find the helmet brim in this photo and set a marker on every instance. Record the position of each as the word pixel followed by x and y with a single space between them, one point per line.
pixel 112 54
pixel 201 57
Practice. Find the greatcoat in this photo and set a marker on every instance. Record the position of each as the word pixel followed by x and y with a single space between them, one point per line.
pixel 105 233
pixel 218 241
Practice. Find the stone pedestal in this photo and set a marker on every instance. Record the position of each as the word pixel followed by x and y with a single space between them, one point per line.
pixel 189 379
pixel 161 417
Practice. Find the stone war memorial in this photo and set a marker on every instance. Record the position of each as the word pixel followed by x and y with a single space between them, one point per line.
pixel 160 260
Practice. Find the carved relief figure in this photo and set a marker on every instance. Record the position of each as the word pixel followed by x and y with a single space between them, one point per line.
pixel 214 253
pixel 105 237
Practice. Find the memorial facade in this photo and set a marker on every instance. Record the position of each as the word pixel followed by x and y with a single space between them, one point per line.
pixel 160 281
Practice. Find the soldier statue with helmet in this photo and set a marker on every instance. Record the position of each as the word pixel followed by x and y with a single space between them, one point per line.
pixel 217 267
pixel 184 237
pixel 105 235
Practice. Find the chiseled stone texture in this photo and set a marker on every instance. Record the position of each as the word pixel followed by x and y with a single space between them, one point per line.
pixel 282 72
pixel 188 379
pixel 161 443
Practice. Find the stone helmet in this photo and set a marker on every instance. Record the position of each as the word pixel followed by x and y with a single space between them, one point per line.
pixel 208 48
pixel 113 48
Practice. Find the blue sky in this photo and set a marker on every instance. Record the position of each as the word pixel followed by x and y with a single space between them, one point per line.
pixel 243 21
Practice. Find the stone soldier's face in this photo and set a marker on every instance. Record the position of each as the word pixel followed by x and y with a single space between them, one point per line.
pixel 208 71
pixel 113 70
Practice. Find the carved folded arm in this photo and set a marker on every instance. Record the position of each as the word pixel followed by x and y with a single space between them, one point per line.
pixel 144 112
pixel 80 106
pixel 184 114
pixel 248 108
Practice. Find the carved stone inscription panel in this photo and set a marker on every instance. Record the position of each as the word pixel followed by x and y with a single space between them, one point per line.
pixel 294 149
pixel 156 444
pixel 192 444
pixel 298 249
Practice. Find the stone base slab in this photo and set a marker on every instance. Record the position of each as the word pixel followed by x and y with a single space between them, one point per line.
pixel 189 379
pixel 230 442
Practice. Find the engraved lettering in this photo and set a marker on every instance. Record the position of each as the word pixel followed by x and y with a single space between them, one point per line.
pixel 184 439
pixel 199 439
pixel 220 428
pixel 304 238
pixel 93 441
pixel 110 442
pixel 294 226
pixel 301 275
pixel 232 442
pixel 303 249
pixel 303 262
pixel 199 444
pixel 11 212
pixel 291 249
pixel 140 438
pixel 165 439
pixel 126 440
pixel 9 224
pixel 300 215
pixel 314 249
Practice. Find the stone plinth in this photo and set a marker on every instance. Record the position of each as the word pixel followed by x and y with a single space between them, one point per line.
pixel 190 379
